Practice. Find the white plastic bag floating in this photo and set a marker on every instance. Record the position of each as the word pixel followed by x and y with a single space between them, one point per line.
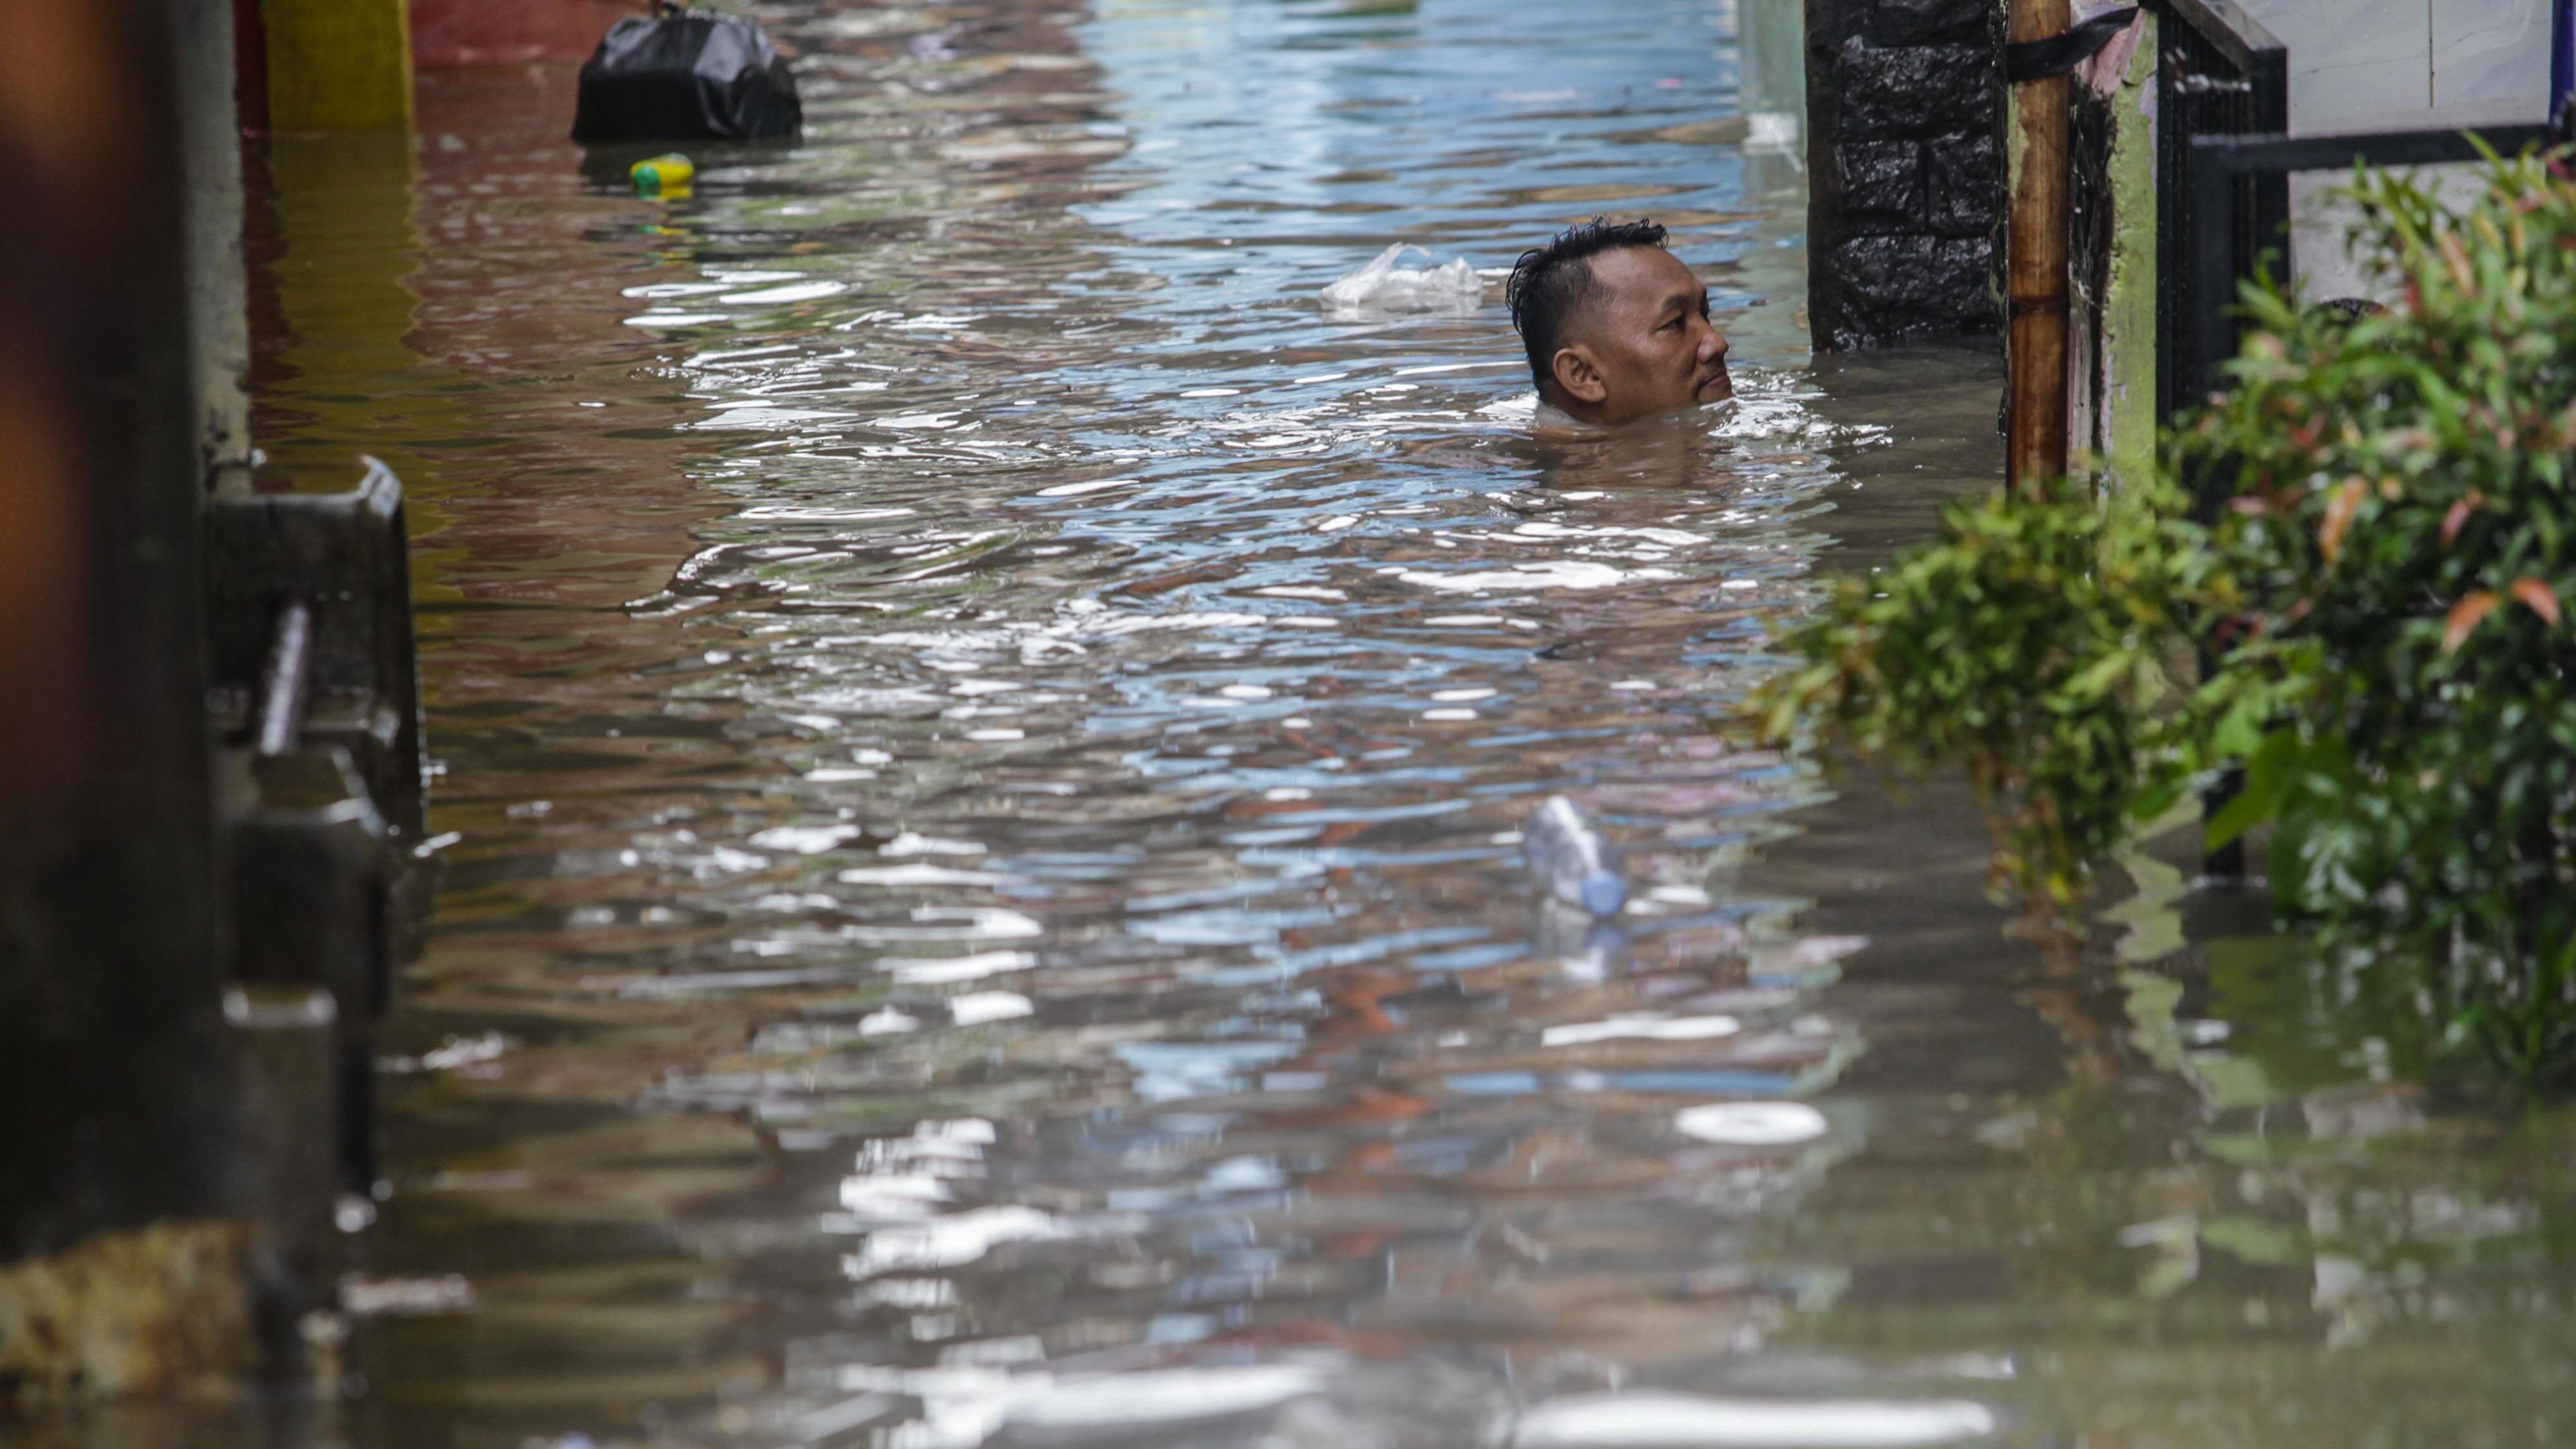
pixel 1382 286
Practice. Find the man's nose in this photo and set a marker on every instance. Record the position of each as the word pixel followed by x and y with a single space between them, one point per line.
pixel 1712 343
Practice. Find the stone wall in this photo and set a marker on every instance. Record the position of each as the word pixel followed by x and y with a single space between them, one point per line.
pixel 1904 107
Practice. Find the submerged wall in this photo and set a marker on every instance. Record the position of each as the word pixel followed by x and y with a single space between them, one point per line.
pixel 1903 105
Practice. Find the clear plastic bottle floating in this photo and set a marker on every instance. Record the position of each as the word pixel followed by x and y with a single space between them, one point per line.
pixel 668 174
pixel 1570 859
pixel 1382 286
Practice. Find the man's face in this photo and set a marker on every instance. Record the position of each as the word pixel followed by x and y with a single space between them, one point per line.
pixel 1644 345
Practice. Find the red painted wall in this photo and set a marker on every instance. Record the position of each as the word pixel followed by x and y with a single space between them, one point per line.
pixel 250 67
pixel 510 32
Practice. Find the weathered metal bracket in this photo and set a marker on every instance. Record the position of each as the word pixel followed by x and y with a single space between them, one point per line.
pixel 287 1058
pixel 311 886
pixel 2033 60
pixel 346 557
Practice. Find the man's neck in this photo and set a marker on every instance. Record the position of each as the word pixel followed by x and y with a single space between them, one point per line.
pixel 1555 409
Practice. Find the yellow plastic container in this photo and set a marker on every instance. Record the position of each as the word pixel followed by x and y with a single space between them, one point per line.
pixel 667 175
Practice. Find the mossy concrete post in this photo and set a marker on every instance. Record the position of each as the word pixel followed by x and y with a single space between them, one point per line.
pixel 2111 260
pixel 1904 99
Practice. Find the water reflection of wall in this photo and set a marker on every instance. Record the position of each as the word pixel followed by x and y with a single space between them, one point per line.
pixel 563 476
pixel 396 273
pixel 334 226
pixel 1771 64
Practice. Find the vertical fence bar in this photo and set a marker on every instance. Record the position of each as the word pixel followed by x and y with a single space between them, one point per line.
pixel 2562 55
pixel 2220 74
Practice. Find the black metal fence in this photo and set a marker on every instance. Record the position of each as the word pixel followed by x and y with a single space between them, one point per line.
pixel 2223 168
pixel 2220 74
pixel 2223 164
pixel 2224 159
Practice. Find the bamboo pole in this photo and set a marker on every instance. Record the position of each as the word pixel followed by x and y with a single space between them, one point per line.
pixel 2035 260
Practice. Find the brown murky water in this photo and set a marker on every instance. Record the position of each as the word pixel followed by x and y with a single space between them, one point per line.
pixel 984 732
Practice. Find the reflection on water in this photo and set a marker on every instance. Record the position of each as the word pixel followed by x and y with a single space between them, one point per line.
pixel 988 731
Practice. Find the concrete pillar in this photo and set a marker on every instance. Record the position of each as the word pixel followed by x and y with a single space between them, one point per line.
pixel 2111 375
pixel 115 1108
pixel 218 303
pixel 1903 102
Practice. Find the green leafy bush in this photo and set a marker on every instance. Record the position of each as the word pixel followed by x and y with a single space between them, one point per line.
pixel 2031 642
pixel 2404 514
pixel 2381 590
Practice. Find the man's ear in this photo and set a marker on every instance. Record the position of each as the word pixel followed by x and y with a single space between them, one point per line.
pixel 1578 373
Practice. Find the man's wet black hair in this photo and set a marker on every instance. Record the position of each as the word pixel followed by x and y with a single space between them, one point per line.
pixel 1551 283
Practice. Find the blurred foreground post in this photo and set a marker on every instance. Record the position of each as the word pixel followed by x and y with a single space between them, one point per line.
pixel 195 910
pixel 116 1098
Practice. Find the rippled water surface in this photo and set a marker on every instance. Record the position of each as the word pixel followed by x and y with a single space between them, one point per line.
pixel 984 732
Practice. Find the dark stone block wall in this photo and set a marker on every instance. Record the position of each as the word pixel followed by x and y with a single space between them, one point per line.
pixel 1905 168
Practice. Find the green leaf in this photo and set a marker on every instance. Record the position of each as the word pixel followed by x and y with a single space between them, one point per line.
pixel 2271 766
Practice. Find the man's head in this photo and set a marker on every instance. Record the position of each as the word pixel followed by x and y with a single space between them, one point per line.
pixel 1616 327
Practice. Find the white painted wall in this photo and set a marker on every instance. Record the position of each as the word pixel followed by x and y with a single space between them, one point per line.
pixel 2490 60
pixel 2386 65
pixel 2397 65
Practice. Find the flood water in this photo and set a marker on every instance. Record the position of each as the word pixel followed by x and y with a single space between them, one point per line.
pixel 984 730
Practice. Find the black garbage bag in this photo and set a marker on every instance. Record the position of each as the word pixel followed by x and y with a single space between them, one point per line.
pixel 686 75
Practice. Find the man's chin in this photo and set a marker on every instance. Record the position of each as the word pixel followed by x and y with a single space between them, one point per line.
pixel 1708 394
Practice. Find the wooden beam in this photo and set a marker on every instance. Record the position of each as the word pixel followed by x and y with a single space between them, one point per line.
pixel 2035 260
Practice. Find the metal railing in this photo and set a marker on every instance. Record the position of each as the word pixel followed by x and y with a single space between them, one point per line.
pixel 2224 167
pixel 2223 164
